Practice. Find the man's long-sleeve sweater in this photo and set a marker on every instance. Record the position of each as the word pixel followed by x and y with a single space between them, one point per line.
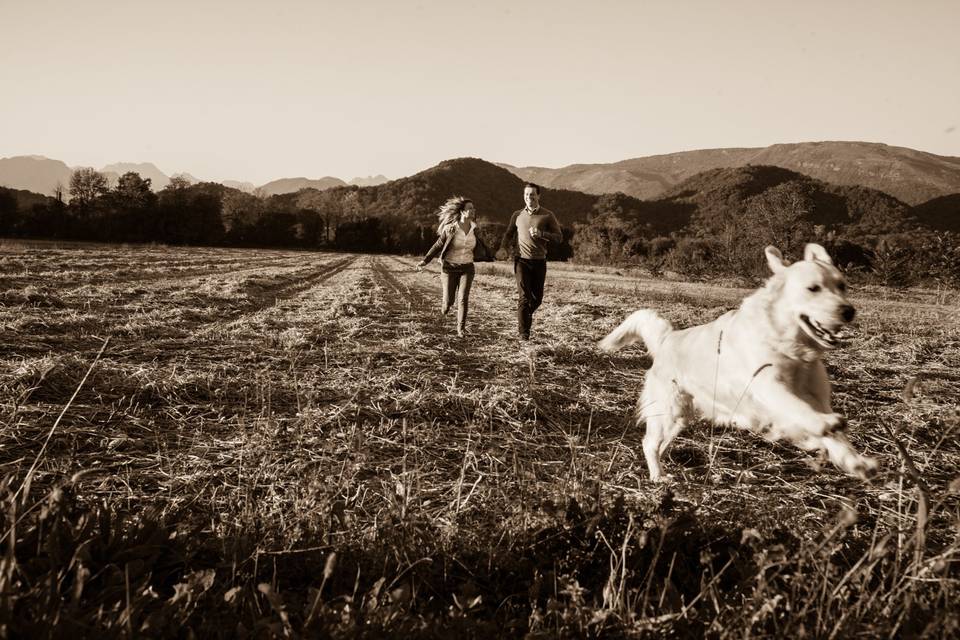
pixel 518 231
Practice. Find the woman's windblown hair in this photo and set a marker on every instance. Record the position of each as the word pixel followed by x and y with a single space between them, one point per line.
pixel 450 210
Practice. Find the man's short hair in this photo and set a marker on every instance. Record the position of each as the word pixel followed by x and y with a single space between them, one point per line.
pixel 532 185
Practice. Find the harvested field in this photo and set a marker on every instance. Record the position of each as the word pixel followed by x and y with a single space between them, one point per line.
pixel 235 442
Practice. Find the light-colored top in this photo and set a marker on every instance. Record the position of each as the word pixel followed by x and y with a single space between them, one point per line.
pixel 462 244
pixel 542 220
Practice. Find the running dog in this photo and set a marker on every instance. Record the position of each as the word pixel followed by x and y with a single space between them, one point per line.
pixel 758 367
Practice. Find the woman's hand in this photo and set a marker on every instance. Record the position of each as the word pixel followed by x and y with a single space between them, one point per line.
pixel 421 265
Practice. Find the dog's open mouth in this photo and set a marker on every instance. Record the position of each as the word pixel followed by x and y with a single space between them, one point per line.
pixel 827 338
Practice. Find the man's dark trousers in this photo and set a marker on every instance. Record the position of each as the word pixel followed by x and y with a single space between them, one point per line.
pixel 531 274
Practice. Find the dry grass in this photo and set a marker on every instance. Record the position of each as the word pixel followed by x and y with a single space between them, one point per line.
pixel 281 443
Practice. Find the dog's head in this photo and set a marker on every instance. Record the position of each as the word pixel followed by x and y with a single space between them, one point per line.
pixel 813 295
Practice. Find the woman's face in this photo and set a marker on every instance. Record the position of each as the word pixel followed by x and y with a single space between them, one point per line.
pixel 468 213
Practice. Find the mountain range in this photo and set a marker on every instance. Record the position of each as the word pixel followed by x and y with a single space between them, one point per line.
pixel 909 175
pixel 707 202
pixel 43 175
pixel 400 214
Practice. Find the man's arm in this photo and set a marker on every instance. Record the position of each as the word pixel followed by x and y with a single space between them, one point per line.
pixel 510 235
pixel 481 252
pixel 553 233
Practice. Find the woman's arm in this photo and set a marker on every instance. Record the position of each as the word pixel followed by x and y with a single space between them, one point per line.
pixel 436 248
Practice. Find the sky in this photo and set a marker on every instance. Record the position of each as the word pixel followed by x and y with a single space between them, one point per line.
pixel 254 91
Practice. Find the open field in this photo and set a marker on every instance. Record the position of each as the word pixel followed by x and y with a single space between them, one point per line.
pixel 297 444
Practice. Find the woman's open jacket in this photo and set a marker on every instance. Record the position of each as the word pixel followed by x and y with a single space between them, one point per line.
pixel 480 251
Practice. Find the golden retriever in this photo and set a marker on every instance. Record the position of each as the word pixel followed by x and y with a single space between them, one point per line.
pixel 758 367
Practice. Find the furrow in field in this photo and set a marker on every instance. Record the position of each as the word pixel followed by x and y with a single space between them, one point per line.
pixel 124 266
pixel 160 310
pixel 201 332
pixel 270 298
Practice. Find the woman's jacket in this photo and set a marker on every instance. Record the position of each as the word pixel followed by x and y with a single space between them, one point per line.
pixel 480 251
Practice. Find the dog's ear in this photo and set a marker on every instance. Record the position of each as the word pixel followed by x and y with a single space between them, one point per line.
pixel 814 251
pixel 774 259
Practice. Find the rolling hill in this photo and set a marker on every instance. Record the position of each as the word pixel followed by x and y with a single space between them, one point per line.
pixel 940 214
pixel 909 175
pixel 20 199
pixel 706 203
pixel 496 192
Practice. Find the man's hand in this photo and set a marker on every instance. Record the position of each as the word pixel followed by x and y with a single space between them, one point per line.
pixel 534 232
pixel 420 266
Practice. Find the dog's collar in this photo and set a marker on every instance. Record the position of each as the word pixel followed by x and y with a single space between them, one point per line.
pixel 760 368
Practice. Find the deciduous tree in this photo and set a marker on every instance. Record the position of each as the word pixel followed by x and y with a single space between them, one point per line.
pixel 86 186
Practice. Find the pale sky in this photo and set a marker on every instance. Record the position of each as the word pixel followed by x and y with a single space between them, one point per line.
pixel 253 91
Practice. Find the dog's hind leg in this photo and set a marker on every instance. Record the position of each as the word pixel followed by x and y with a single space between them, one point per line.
pixel 665 408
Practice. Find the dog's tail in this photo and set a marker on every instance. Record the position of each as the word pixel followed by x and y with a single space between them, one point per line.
pixel 643 324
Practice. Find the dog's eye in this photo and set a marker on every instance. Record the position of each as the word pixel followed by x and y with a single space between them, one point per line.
pixel 842 286
pixel 814 288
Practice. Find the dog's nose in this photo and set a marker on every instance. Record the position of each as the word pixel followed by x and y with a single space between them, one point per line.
pixel 848 312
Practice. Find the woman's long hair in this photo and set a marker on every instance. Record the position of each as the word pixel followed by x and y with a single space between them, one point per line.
pixel 450 210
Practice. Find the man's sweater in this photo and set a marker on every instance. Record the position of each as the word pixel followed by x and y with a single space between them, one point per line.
pixel 517 238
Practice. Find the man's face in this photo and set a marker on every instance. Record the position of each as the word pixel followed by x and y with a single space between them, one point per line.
pixel 531 197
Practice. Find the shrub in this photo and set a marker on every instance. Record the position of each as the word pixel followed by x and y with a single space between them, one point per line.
pixel 694 256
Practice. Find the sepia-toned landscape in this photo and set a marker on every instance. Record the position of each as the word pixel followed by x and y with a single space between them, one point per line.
pixel 215 442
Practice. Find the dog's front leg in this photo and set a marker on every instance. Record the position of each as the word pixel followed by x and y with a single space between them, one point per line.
pixel 842 454
pixel 791 415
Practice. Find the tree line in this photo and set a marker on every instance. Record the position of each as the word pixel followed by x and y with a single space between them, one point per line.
pixel 182 213
pixel 209 213
pixel 716 224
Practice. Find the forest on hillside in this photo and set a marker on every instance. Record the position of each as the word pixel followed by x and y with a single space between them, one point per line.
pixel 723 218
pixel 715 223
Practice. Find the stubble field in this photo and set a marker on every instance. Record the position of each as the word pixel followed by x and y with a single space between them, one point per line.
pixel 235 442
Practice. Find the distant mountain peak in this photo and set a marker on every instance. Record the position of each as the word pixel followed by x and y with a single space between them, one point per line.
pixel 292 185
pixel 246 187
pixel 158 179
pixel 34 173
pixel 369 181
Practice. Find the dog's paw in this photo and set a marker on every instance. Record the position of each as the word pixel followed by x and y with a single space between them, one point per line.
pixel 834 423
pixel 865 468
pixel 608 345
pixel 661 478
